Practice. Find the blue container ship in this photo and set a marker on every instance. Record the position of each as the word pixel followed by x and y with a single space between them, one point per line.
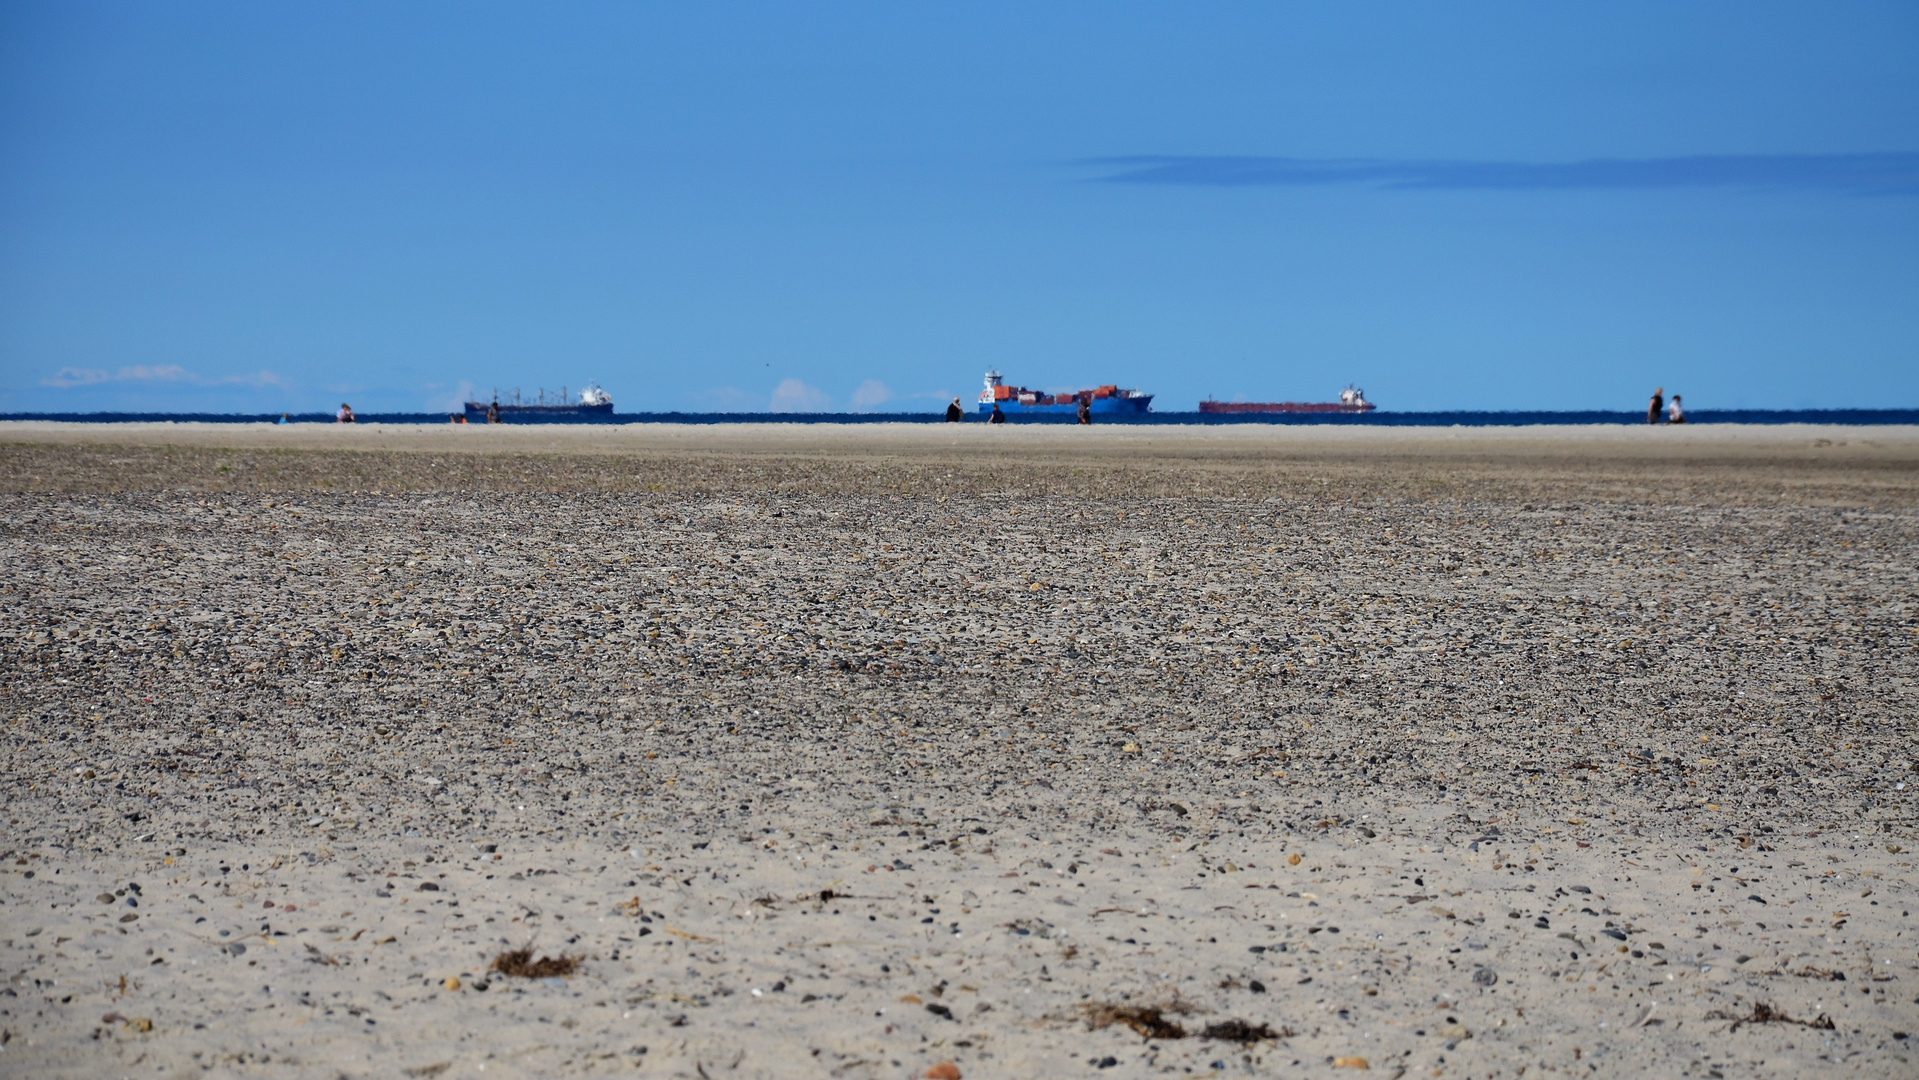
pixel 1100 400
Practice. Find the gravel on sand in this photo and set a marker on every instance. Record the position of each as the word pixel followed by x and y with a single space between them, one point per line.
pixel 776 753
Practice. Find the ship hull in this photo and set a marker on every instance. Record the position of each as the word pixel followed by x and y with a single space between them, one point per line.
pixel 540 414
pixel 1282 407
pixel 1106 406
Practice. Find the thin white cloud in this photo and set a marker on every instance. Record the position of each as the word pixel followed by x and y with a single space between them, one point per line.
pixel 729 399
pixel 143 373
pixel 871 394
pixel 794 396
pixel 450 401
pixel 1883 174
pixel 263 377
pixel 73 376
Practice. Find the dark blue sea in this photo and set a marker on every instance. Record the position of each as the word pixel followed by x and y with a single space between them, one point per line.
pixel 1379 418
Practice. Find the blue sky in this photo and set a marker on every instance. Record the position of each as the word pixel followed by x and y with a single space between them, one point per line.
pixel 257 207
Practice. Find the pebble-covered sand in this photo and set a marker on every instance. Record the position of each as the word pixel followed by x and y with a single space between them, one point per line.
pixel 898 755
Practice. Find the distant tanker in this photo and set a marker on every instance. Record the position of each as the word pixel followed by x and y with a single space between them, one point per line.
pixel 594 404
pixel 1351 400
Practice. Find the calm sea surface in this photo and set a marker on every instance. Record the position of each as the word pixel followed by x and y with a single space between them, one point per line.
pixel 1380 418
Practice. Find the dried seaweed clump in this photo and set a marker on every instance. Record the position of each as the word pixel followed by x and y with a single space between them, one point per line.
pixel 1149 1020
pixel 1763 1013
pixel 520 962
pixel 1241 1031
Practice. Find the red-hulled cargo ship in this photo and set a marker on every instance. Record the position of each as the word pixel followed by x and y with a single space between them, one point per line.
pixel 1351 400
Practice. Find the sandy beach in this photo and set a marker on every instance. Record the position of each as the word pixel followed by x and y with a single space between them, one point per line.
pixel 865 751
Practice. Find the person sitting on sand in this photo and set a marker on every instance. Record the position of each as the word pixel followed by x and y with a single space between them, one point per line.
pixel 286 418
pixel 953 412
pixel 1658 402
pixel 1675 414
pixel 345 415
pixel 997 417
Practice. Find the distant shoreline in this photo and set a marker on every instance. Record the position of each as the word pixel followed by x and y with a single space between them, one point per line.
pixel 1378 418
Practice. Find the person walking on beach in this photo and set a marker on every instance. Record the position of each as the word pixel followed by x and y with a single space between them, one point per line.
pixel 1085 411
pixel 1675 414
pixel 953 412
pixel 997 417
pixel 1658 403
pixel 345 415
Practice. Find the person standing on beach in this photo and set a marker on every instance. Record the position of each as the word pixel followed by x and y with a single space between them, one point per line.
pixel 953 412
pixel 1675 413
pixel 1658 403
pixel 493 413
pixel 1085 411
pixel 345 415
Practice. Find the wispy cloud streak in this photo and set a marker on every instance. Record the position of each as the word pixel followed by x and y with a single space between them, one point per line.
pixel 1862 174
pixel 68 377
pixel 73 376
